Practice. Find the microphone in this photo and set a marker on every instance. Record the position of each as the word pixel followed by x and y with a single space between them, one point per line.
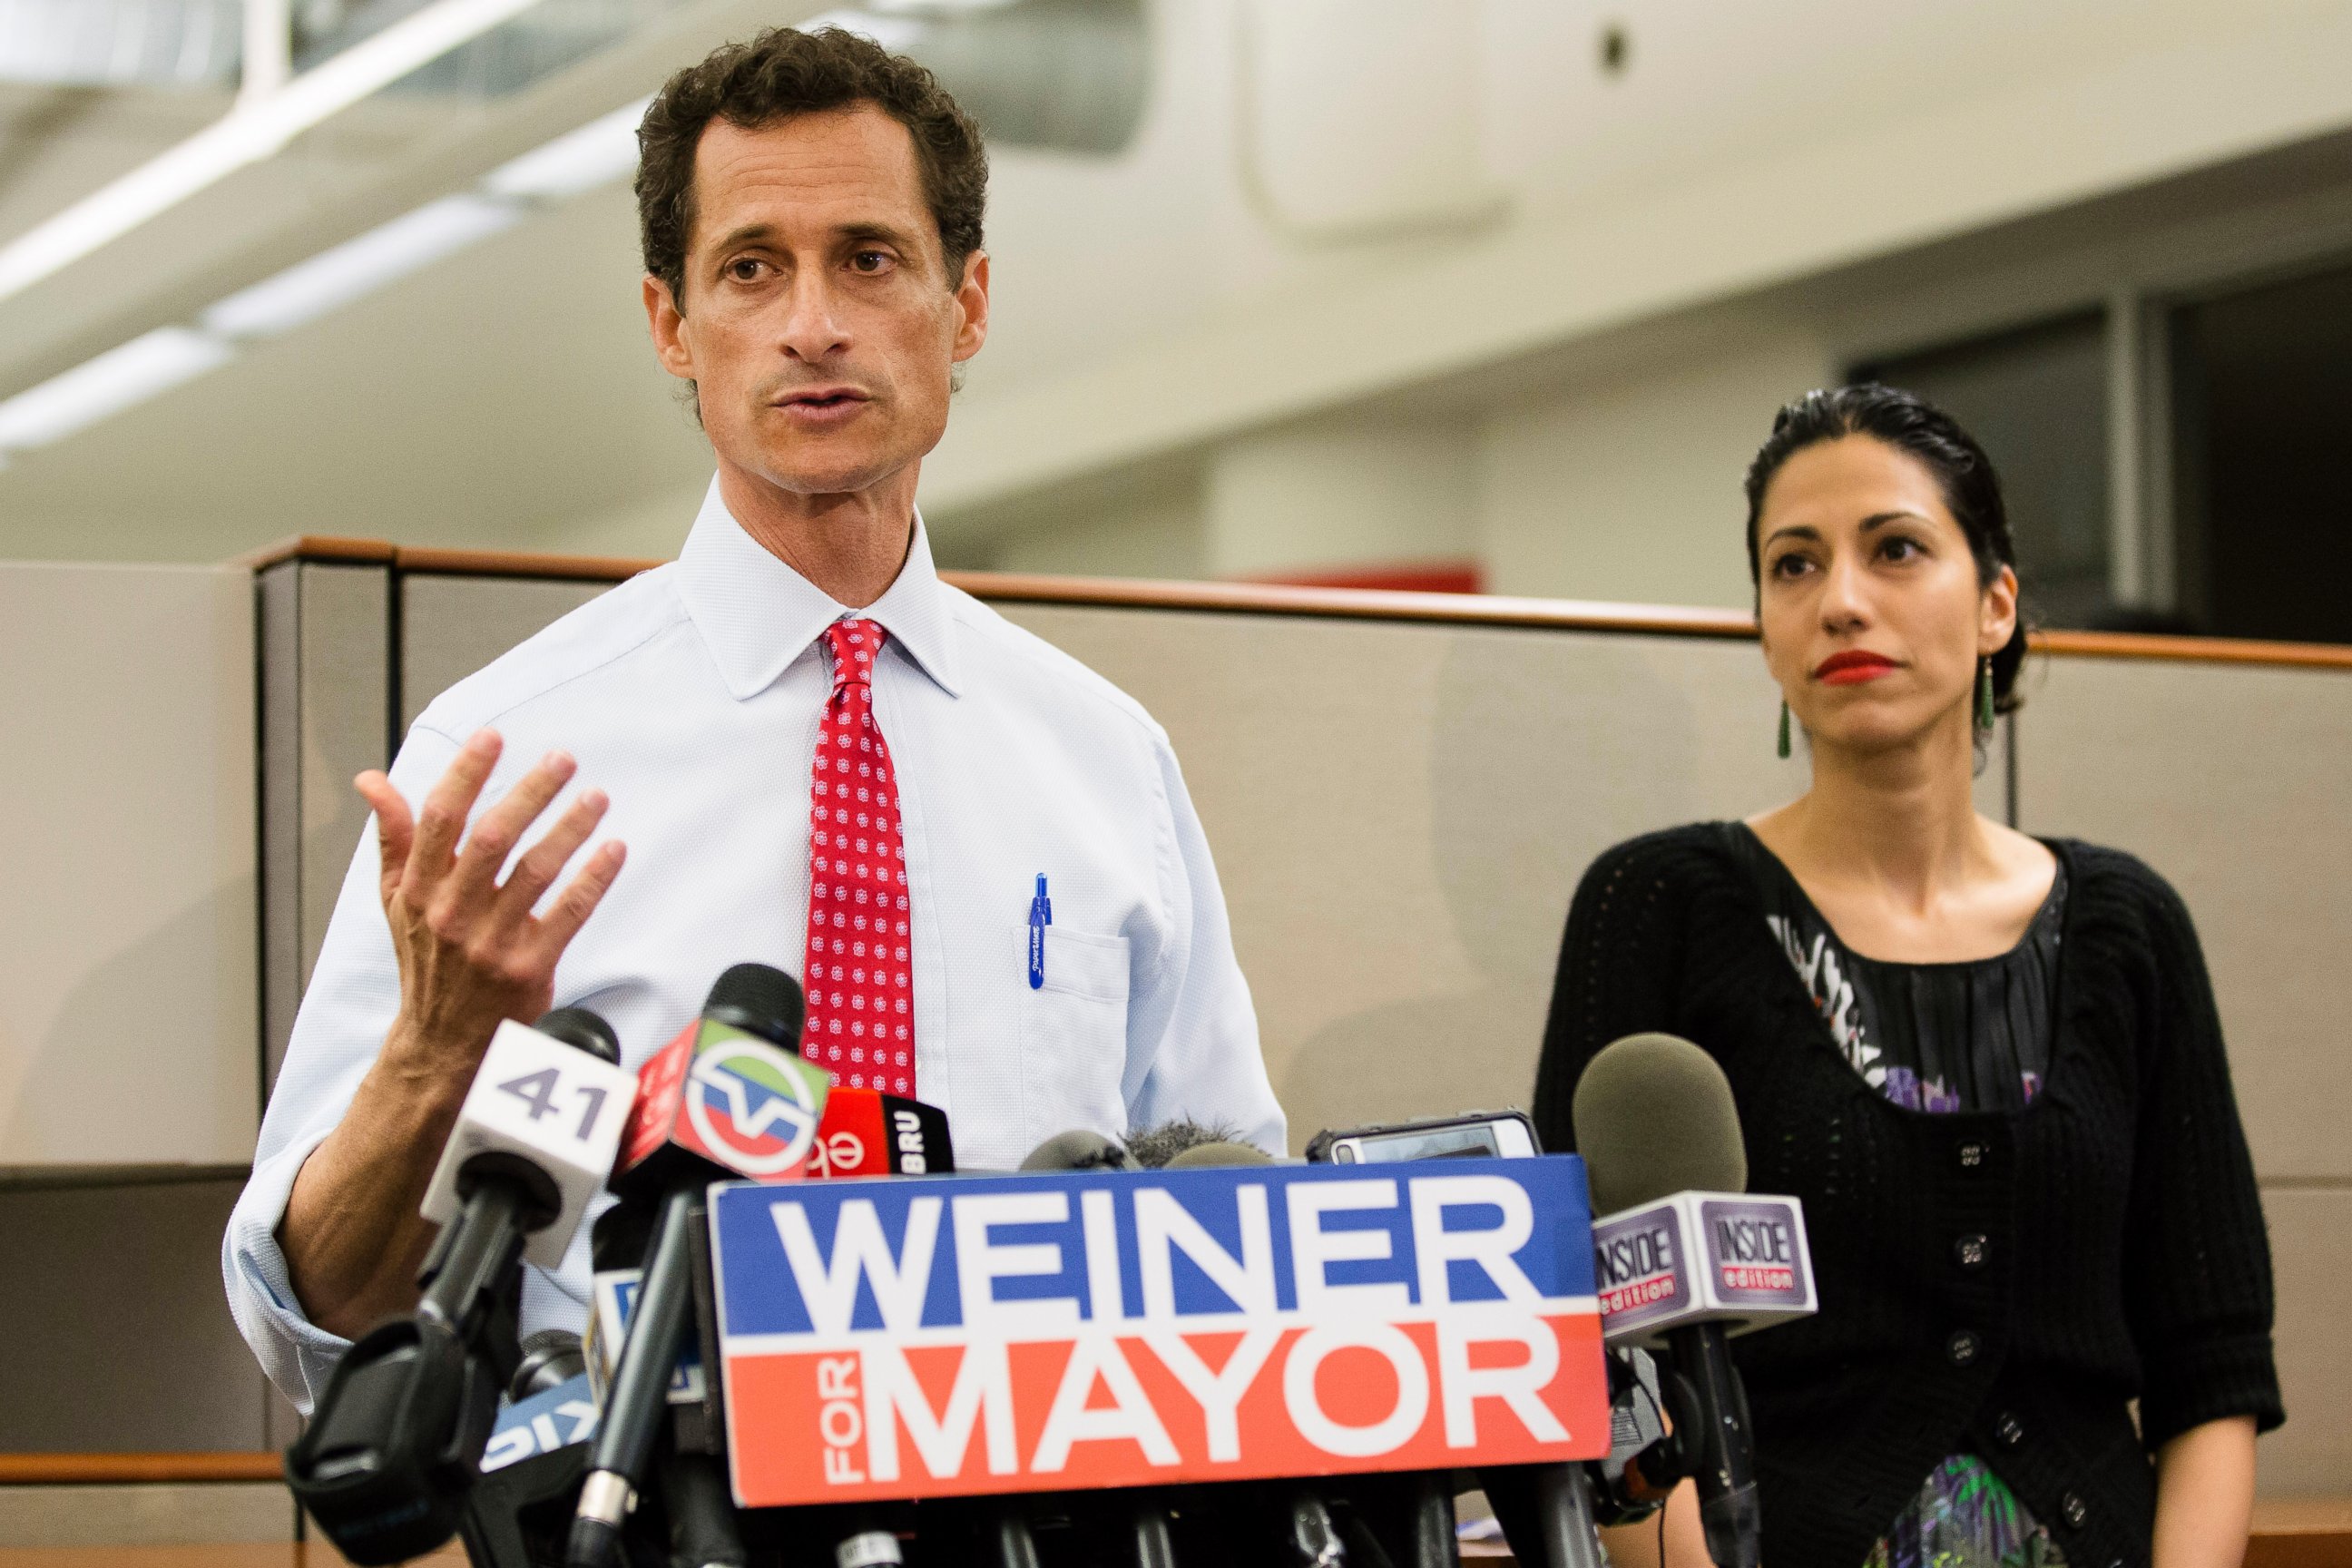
pixel 551 1358
pixel 397 1440
pixel 730 1096
pixel 1685 1258
pixel 516 1514
pixel 866 1133
pixel 1079 1149
pixel 1218 1151
pixel 702 1532
pixel 545 1111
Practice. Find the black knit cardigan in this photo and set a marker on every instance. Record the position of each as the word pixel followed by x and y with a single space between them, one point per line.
pixel 2003 1285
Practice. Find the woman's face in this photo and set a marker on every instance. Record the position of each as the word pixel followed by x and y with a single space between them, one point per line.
pixel 1872 613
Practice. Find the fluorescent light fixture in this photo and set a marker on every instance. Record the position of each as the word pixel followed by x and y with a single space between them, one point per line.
pixel 333 279
pixel 597 154
pixel 250 132
pixel 603 150
pixel 114 381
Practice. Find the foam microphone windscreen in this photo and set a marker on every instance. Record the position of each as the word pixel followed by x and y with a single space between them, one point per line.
pixel 1220 1152
pixel 1077 1150
pixel 759 999
pixel 1153 1147
pixel 1654 1115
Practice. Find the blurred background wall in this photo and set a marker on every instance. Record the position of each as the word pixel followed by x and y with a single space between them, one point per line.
pixel 1447 293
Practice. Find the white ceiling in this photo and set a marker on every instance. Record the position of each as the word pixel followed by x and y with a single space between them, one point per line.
pixel 1146 304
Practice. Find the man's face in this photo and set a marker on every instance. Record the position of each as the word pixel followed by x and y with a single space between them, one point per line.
pixel 819 322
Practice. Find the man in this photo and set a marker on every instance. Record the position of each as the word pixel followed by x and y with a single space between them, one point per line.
pixel 810 212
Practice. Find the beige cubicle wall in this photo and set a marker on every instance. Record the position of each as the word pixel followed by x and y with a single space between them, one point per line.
pixel 2234 779
pixel 129 1079
pixel 126 865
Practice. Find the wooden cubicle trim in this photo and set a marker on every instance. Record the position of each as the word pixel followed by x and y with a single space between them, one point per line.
pixel 1353 604
pixel 322 547
pixel 2194 650
pixel 123 1470
pixel 513 563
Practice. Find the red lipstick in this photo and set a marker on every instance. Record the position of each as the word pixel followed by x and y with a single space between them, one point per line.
pixel 1852 667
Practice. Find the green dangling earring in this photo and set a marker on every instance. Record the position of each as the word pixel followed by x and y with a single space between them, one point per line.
pixel 1984 693
pixel 1784 729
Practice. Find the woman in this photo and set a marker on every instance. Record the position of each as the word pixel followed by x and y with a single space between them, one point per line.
pixel 1988 1065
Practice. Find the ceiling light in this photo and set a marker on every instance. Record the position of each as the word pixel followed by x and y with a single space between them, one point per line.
pixel 248 134
pixel 114 381
pixel 597 154
pixel 333 279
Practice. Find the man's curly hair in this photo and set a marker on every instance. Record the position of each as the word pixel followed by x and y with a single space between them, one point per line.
pixel 782 73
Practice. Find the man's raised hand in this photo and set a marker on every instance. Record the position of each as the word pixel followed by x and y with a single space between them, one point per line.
pixel 471 950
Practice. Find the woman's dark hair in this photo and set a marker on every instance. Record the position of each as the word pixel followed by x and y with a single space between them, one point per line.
pixel 1912 426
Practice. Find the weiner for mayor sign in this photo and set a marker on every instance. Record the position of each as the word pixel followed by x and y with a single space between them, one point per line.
pixel 939 1336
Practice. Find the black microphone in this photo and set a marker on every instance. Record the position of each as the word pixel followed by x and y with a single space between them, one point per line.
pixel 551 1358
pixel 396 1441
pixel 730 1096
pixel 702 1531
pixel 1655 1120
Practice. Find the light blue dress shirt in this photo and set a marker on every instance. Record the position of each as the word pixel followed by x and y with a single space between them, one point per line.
pixel 691 695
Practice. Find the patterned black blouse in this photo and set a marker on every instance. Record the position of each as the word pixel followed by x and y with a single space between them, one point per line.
pixel 1936 1037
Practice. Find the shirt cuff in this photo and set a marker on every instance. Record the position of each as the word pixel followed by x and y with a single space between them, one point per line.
pixel 296 1353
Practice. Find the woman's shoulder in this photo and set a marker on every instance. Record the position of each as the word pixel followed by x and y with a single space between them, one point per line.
pixel 2110 871
pixel 1674 861
pixel 2114 888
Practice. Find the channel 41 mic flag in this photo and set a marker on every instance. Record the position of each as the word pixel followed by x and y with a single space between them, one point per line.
pixel 933 1337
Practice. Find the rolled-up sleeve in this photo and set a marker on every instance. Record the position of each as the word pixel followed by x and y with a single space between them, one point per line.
pixel 2197 1263
pixel 1192 1026
pixel 351 1000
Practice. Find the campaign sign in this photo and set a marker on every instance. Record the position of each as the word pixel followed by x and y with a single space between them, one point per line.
pixel 931 1337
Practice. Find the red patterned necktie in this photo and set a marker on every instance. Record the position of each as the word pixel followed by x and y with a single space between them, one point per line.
pixel 861 1016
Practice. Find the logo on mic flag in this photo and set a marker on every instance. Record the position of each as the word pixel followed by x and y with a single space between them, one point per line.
pixel 755 1109
pixel 1049 1331
pixel 725 1095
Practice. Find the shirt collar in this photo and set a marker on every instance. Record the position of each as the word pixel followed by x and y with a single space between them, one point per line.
pixel 757 614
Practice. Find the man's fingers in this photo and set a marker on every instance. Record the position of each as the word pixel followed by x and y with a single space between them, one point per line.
pixel 579 899
pixel 395 828
pixel 501 828
pixel 443 819
pixel 544 861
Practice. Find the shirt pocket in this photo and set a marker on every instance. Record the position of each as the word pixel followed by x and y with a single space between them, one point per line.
pixel 1073 1035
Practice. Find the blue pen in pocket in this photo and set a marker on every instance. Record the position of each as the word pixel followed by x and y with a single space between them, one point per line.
pixel 1041 915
